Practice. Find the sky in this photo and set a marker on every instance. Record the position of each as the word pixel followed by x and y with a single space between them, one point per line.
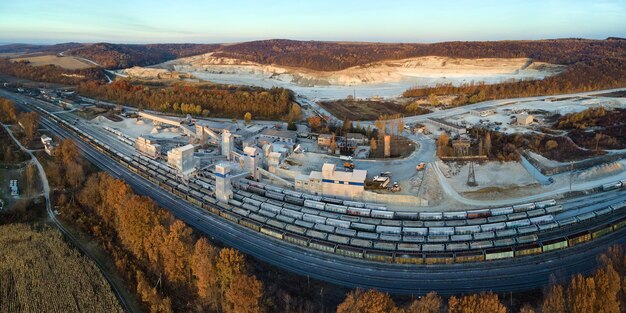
pixel 208 21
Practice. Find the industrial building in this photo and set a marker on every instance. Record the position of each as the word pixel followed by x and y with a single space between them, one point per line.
pixel 182 159
pixel 324 140
pixel 330 182
pixel 524 119
pixel 147 147
pixel 272 135
pixel 448 126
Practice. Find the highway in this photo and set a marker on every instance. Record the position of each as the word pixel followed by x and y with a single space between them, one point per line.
pixel 499 276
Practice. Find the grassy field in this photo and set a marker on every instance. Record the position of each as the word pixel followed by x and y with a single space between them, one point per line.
pixel 39 272
pixel 70 63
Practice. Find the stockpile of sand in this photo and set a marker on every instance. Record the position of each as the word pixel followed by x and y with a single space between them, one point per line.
pixel 602 170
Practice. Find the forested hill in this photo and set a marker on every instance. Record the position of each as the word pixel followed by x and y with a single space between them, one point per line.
pixel 331 56
pixel 110 55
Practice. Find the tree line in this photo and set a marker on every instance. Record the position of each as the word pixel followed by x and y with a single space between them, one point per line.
pixel 49 73
pixel 217 100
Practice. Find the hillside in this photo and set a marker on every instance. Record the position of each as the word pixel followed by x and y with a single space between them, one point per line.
pixel 333 56
pixel 123 55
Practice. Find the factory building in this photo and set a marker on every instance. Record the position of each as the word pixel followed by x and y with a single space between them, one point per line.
pixel 324 140
pixel 252 160
pixel 147 147
pixel 223 188
pixel 228 140
pixel 181 159
pixel 273 135
pixel 448 126
pixel 330 182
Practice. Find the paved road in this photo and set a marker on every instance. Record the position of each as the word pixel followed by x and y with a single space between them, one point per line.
pixel 499 276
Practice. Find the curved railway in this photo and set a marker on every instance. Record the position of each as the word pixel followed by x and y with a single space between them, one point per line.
pixel 366 232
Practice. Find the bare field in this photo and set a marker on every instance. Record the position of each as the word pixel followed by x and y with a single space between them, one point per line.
pixel 67 62
pixel 39 272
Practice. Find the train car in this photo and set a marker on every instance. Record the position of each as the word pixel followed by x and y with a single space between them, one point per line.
pixel 619 224
pixel 361 243
pixel 439 258
pixel 501 211
pixel 414 238
pixel 524 207
pixel 338 239
pixel 304 223
pixel 363 227
pixel 457 246
pixel 367 235
pixel 469 256
pixel 382 214
pixel 271 208
pixel 546 203
pixel 432 247
pixel 497 219
pixel 467 237
pixel 484 235
pixel 322 246
pixel 585 216
pixel 504 242
pixel 441 230
pixel 358 211
pixel 285 219
pixel 618 206
pixel 527 229
pixel 545 219
pixel 241 211
pixel 296 239
pixel 493 226
pixel 274 202
pixel 391 222
pixel 373 221
pixel 434 223
pixel 349 218
pixel 481 244
pixel 275 195
pixel 373 206
pixel 324 228
pixel 314 218
pixel 431 216
pixel 272 232
pixel 409 258
pixel 294 200
pixel 407 215
pixel 517 216
pixel 415 231
pixel 316 234
pixel 437 238
pixel 529 249
pixel 578 238
pixel 389 229
pixel 332 200
pixel 536 212
pixel 603 211
pixel 517 223
pixel 311 197
pixel 295 229
pixel 314 204
pixel 477 221
pixel 506 233
pixel 258 218
pixel 345 232
pixel 412 223
pixel 460 230
pixel 348 251
pixel 455 223
pixel 267 213
pixel 274 189
pixel 341 209
pixel 611 186
pixel 337 223
pixel 554 209
pixel 292 193
pixel 250 207
pixel 548 226
pixel 567 221
pixel 253 202
pixel 601 231
pixel 329 215
pixel 461 215
pixel 229 216
pixel 390 237
pixel 498 254
pixel 554 244
pixel 354 204
pixel 478 213
pixel 380 256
